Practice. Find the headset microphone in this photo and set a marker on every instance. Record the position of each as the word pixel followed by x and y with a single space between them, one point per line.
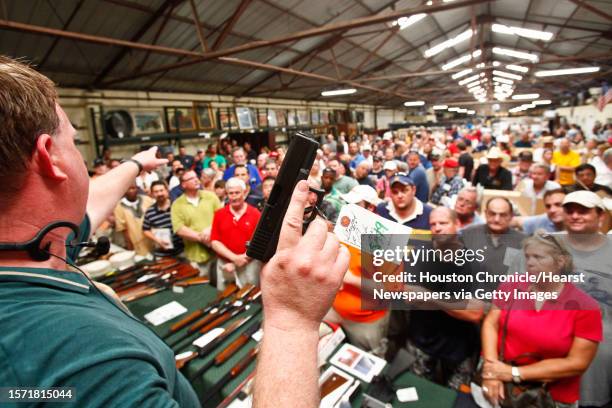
pixel 41 253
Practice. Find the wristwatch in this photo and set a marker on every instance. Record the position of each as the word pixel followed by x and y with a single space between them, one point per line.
pixel 139 164
pixel 516 375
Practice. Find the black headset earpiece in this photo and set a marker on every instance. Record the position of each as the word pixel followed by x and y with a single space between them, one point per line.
pixel 33 246
pixel 41 253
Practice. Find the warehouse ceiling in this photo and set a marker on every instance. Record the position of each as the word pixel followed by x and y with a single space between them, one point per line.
pixel 390 51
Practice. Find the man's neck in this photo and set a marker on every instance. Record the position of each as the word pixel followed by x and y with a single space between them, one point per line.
pixel 238 211
pixel 537 189
pixel 192 193
pixel 465 218
pixel 406 212
pixel 164 205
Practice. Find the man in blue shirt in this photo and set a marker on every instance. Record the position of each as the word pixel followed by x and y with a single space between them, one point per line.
pixel 59 329
pixel 551 221
pixel 418 175
pixel 240 158
pixel 404 208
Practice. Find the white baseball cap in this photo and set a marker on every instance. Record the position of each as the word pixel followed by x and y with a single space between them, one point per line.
pixel 387 136
pixel 390 165
pixel 584 198
pixel 494 153
pixel 361 193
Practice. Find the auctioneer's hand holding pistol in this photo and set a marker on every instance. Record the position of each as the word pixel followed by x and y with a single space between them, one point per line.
pixel 296 166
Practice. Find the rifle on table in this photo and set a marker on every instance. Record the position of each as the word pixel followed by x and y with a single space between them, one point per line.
pixel 137 269
pixel 246 383
pixel 229 351
pixel 182 359
pixel 233 373
pixel 227 292
pixel 214 316
pixel 159 284
pixel 143 275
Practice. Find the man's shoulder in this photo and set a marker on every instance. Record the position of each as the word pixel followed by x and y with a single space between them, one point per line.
pixel 474 230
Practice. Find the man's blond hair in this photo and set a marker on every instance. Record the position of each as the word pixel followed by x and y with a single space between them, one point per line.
pixel 27 110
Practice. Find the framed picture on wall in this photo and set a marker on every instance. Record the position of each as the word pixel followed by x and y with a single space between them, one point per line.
pixel 180 119
pixel 246 118
pixel 303 118
pixel 204 116
pixel 281 117
pixel 227 119
pixel 324 118
pixel 291 118
pixel 262 117
pixel 147 121
pixel 315 117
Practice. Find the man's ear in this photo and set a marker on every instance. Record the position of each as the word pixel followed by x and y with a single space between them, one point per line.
pixel 46 160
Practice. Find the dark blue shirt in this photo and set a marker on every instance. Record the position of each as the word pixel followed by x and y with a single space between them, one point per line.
pixel 420 181
pixel 254 179
pixel 419 222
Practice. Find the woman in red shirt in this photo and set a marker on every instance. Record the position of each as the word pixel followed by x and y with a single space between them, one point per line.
pixel 564 333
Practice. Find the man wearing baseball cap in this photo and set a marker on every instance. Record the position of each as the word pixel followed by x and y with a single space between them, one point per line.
pixel 404 208
pixel 450 184
pixel 590 250
pixel 364 328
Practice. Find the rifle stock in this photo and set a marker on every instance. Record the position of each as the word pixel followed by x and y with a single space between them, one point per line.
pixel 228 291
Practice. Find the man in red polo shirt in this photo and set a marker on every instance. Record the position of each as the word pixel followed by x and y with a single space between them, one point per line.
pixel 232 228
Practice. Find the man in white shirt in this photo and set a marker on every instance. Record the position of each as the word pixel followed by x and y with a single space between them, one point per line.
pixel 538 182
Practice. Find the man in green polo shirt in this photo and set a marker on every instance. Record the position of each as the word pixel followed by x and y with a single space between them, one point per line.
pixel 58 329
pixel 192 214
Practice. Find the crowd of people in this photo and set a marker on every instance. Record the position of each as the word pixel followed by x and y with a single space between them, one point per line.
pixel 434 181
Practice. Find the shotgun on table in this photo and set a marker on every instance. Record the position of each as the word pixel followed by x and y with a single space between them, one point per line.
pixel 222 296
pixel 214 314
pixel 145 275
pixel 229 351
pixel 158 284
pixel 212 339
pixel 233 373
pixel 116 277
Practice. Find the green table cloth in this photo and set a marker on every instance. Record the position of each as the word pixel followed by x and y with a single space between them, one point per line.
pixel 430 395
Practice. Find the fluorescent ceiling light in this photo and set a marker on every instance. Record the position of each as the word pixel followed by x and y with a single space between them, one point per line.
pixel 448 43
pixel 414 103
pixel 481 65
pixel 462 73
pixel 517 68
pixel 503 80
pixel 542 102
pixel 461 60
pixel 336 92
pixel 453 109
pixel 568 71
pixel 468 80
pixel 526 97
pixel 473 84
pixel 529 105
pixel 405 22
pixel 471 112
pixel 496 63
pixel 522 32
pixel 462 110
pixel 507 75
pixel 429 2
pixel 440 107
pixel 515 54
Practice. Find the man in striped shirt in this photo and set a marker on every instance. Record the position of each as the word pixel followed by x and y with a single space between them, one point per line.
pixel 157 224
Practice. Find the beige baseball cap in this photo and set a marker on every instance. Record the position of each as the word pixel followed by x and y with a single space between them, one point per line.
pixel 361 193
pixel 584 198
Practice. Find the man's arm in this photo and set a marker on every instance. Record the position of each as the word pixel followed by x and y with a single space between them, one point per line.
pixel 223 251
pixel 298 287
pixel 105 191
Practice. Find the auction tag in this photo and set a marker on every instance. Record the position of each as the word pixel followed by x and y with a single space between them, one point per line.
pixel 208 337
pixel 407 394
pixel 353 221
pixel 164 313
pixel 178 289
